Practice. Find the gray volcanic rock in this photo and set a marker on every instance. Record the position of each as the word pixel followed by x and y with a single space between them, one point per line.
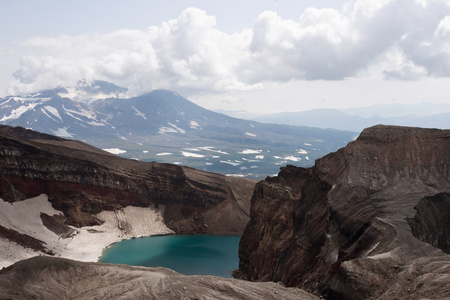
pixel 81 181
pixel 368 221
pixel 56 278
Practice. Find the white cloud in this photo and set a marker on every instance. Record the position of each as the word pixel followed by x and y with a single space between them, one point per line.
pixel 369 8
pixel 397 65
pixel 397 39
pixel 443 29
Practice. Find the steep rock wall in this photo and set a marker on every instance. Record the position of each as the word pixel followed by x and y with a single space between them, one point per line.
pixel 82 181
pixel 340 229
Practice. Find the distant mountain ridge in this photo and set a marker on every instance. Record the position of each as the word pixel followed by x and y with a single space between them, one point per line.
pixel 358 119
pixel 163 126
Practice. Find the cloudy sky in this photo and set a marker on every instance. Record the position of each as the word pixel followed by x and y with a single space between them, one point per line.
pixel 261 56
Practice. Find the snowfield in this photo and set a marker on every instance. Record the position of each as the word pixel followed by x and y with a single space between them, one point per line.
pixel 87 243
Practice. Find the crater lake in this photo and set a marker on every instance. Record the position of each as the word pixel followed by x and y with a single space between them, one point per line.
pixel 187 254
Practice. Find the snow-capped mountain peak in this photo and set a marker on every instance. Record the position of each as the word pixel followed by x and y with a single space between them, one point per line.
pixel 161 125
pixel 93 90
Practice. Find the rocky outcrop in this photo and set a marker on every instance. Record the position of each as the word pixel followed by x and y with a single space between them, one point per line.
pixel 368 221
pixel 81 181
pixel 53 278
pixel 431 223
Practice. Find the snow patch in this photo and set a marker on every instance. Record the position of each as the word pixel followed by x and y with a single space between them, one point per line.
pixel 16 113
pixel 301 151
pixel 211 149
pixel 71 115
pixel 250 151
pixel 53 111
pixel 250 160
pixel 250 134
pixel 138 113
pixel 173 129
pixel 233 163
pixel 190 154
pixel 82 112
pixel 180 130
pixel 115 150
pixel 164 130
pixel 292 158
pixel 192 149
pixel 44 111
pixel 94 123
pixel 259 156
pixel 62 132
pixel 164 153
pixel 195 125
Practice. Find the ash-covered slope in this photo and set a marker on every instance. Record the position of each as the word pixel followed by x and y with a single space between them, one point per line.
pixel 53 278
pixel 368 221
pixel 81 181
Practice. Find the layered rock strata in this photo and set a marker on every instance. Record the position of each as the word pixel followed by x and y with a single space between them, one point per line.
pixel 368 221
pixel 82 183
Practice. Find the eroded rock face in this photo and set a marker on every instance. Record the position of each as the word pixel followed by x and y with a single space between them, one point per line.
pixel 82 181
pixel 342 228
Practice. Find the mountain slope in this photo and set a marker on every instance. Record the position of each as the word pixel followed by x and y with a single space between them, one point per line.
pixel 165 127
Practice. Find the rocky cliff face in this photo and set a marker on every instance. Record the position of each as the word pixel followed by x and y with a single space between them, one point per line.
pixel 370 220
pixel 82 181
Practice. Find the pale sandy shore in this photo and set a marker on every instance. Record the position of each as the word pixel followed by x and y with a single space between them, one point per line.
pixel 87 243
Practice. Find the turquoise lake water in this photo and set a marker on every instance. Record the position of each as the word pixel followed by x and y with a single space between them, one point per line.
pixel 187 254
